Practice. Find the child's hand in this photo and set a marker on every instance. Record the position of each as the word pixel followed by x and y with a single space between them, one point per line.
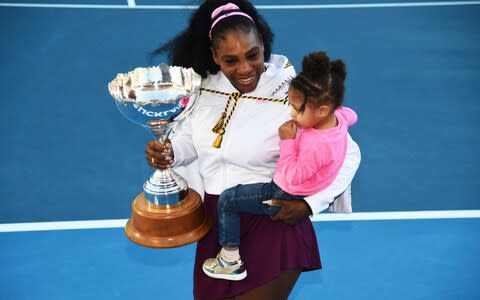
pixel 287 130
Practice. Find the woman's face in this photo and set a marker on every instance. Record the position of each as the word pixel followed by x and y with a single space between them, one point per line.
pixel 240 57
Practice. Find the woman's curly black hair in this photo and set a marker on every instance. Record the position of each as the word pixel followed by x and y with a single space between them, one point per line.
pixel 191 48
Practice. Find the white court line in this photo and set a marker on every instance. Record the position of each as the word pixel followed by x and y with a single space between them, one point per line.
pixel 132 5
pixel 398 215
pixel 368 5
pixel 62 225
pixel 368 216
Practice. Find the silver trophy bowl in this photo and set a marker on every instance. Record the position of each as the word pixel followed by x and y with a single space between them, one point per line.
pixel 157 98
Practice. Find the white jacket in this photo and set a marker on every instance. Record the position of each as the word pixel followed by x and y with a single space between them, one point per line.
pixel 250 147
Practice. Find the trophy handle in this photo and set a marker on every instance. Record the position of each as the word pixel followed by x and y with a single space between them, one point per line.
pixel 164 187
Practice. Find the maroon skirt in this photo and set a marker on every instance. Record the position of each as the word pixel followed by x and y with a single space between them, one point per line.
pixel 267 248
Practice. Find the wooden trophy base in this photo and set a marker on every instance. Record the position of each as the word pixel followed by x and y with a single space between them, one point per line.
pixel 163 226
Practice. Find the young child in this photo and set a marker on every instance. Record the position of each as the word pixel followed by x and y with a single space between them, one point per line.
pixel 313 146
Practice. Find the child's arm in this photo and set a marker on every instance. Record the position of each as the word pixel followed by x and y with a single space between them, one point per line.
pixel 296 167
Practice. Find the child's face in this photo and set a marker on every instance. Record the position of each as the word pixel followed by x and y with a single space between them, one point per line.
pixel 310 117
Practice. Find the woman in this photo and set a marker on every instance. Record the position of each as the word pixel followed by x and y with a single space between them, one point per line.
pixel 231 138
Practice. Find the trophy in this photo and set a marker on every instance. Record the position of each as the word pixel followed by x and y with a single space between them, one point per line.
pixel 167 213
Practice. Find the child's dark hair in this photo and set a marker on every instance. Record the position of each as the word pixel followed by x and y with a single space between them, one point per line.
pixel 321 80
pixel 191 48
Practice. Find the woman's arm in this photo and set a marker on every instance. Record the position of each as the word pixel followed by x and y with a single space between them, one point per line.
pixel 182 143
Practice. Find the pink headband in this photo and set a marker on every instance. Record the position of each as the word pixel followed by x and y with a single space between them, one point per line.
pixel 235 11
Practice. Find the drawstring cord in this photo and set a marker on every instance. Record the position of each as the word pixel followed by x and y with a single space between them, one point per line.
pixel 225 117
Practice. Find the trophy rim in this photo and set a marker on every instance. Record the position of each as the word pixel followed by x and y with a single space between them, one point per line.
pixel 122 89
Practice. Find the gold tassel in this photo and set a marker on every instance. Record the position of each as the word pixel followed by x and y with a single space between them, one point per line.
pixel 218 141
pixel 219 124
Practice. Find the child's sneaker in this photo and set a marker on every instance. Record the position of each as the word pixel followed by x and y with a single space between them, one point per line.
pixel 222 269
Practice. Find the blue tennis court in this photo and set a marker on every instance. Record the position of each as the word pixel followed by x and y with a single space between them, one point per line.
pixel 70 163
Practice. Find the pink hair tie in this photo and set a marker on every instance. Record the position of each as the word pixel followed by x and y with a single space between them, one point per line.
pixel 235 11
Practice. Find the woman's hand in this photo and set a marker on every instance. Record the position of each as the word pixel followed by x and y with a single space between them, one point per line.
pixel 159 155
pixel 292 211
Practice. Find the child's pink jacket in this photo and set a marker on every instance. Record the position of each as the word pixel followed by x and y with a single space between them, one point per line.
pixel 310 162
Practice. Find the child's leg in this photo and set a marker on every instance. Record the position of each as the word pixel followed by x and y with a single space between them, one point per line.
pixel 232 202
pixel 239 199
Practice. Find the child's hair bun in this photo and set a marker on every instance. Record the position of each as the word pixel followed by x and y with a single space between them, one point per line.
pixel 339 69
pixel 321 80
pixel 315 66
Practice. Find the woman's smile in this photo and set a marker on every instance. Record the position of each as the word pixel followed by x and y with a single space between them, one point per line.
pixel 247 81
